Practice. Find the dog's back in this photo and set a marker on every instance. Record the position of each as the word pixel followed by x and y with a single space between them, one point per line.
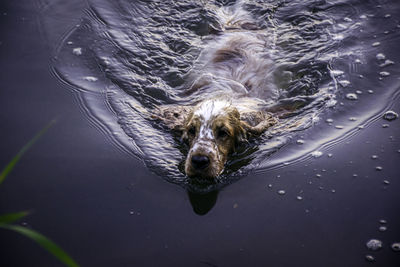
pixel 237 60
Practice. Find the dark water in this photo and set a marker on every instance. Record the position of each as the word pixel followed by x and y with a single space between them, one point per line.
pixel 309 197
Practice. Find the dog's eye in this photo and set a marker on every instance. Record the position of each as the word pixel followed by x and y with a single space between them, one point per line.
pixel 222 133
pixel 192 130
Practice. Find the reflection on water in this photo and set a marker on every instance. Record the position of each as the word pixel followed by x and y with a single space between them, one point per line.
pixel 203 203
pixel 329 61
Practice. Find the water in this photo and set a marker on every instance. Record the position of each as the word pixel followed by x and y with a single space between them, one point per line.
pixel 106 208
pixel 126 58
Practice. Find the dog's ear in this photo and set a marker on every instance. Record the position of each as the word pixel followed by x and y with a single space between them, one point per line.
pixel 173 116
pixel 256 122
pixel 239 132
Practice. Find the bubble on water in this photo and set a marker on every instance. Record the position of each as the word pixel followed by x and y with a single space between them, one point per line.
pixel 386 182
pixel 351 96
pixel 316 154
pixel 369 258
pixel 376 44
pixel 390 115
pixel 386 32
pixel 344 83
pixel 382 228
pixel 281 192
pixel 300 142
pixel 363 17
pixel 337 72
pixel 387 62
pixel 333 191
pixel 352 119
pixel 355 175
pixel 299 198
pixel 384 73
pixel 385 125
pixel 370 92
pixel 374 156
pixel 374 244
pixel 380 56
pixel 357 61
pixel 330 103
pixel 330 155
pixel 90 78
pixel 270 186
pixel 338 37
pixel 388 16
pixel 378 168
pixel 70 43
pixel 77 51
pixel 339 127
pixel 318 175
pixel 382 221
pixel 106 60
pixel 329 120
pixel 396 246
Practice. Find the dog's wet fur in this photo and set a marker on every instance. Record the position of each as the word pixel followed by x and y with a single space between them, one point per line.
pixel 230 85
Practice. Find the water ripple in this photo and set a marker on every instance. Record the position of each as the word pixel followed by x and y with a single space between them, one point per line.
pixel 134 56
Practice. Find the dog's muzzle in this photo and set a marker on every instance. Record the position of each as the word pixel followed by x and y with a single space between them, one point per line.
pixel 203 160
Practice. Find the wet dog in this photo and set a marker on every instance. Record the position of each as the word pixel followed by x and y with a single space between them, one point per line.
pixel 231 84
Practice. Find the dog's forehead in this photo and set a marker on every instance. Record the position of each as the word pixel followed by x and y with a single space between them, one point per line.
pixel 210 109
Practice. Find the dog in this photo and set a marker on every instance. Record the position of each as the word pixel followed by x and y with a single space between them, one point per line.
pixel 231 83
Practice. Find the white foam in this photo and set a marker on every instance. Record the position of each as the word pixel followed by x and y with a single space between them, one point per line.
pixel 77 51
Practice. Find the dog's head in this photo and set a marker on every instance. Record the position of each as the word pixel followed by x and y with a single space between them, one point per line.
pixel 212 130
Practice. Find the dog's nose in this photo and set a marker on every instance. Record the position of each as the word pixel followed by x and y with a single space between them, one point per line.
pixel 200 162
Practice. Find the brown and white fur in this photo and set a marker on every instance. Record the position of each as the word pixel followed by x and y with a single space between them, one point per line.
pixel 231 85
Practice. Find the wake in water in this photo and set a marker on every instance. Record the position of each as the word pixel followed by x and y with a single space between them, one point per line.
pixel 170 57
pixel 127 59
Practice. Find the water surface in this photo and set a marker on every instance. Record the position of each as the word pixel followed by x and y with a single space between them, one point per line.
pixel 106 208
pixel 329 61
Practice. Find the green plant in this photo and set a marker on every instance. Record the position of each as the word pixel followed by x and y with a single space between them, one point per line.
pixel 7 220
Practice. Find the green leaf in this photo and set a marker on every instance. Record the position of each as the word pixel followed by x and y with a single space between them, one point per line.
pixel 44 242
pixel 12 217
pixel 11 164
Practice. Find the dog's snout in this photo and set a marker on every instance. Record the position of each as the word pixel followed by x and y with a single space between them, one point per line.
pixel 200 161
